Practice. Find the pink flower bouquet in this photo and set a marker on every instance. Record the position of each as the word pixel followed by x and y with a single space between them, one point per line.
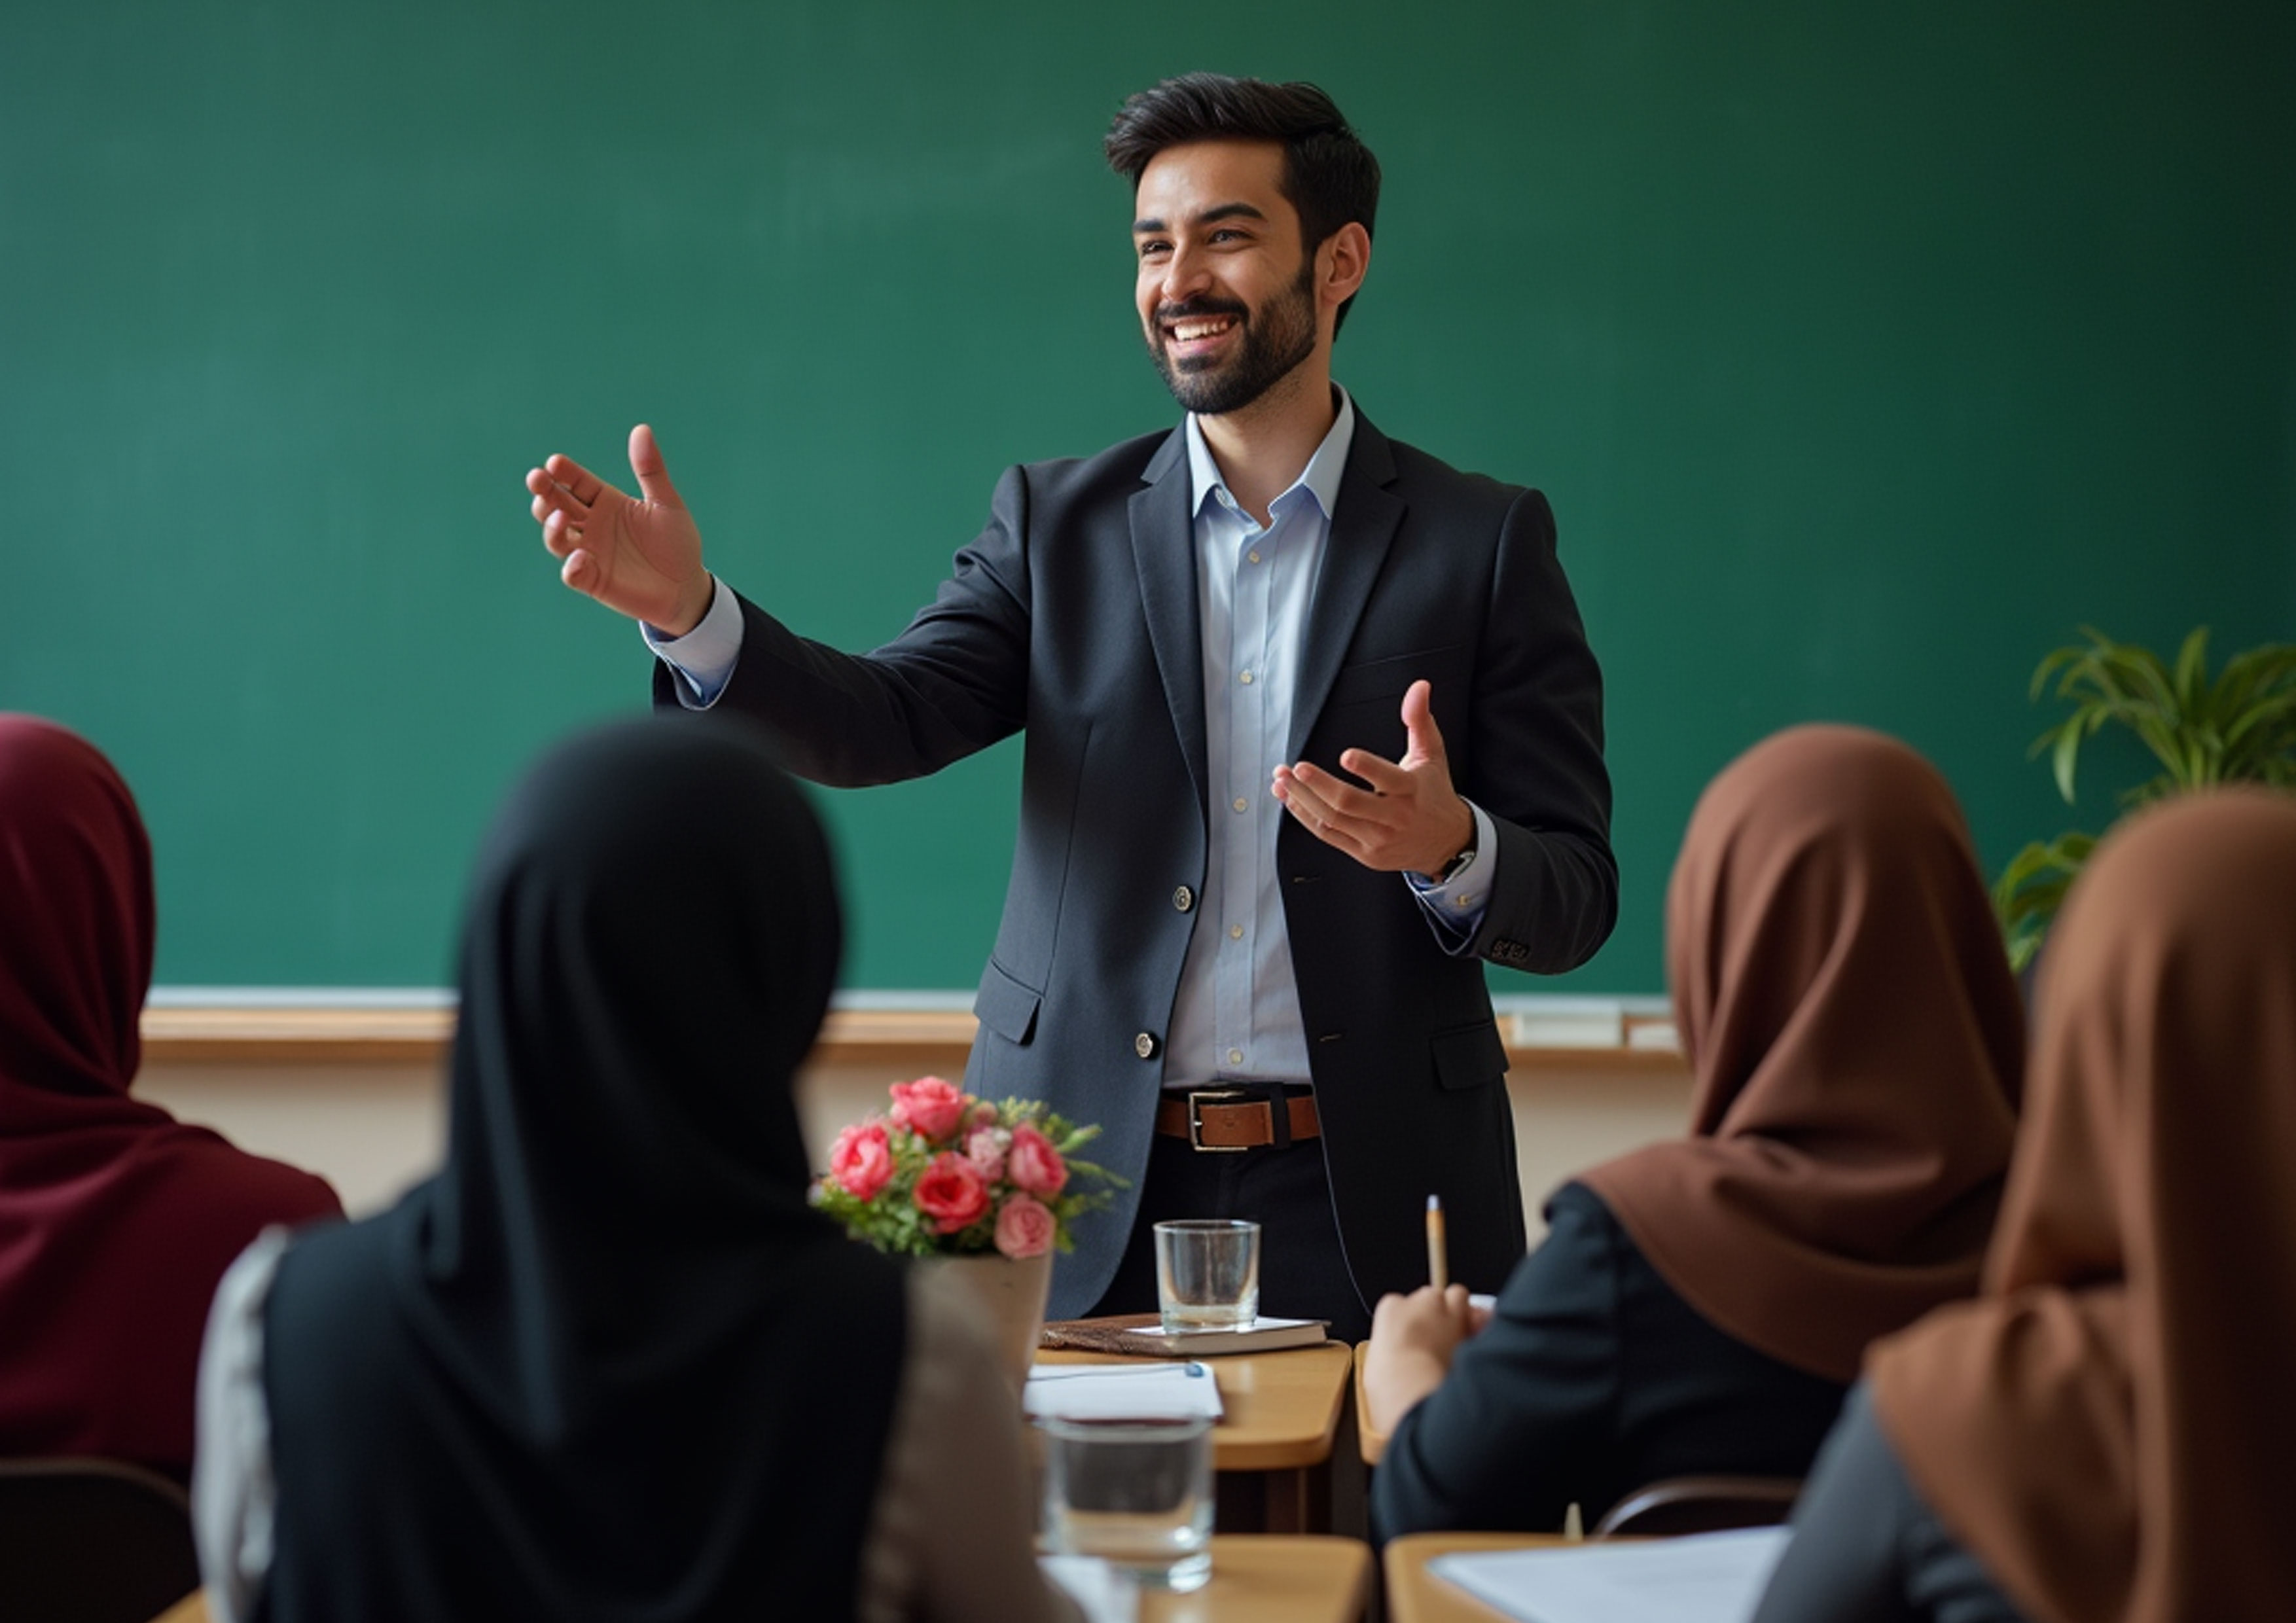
pixel 943 1173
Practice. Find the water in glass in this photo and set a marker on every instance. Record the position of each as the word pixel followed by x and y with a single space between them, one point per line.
pixel 1207 1273
pixel 1137 1494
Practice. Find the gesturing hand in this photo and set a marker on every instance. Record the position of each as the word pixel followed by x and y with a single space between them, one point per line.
pixel 640 558
pixel 1409 820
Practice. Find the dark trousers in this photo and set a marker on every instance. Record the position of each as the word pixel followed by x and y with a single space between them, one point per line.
pixel 1303 1272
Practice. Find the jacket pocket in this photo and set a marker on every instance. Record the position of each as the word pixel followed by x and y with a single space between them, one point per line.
pixel 1386 679
pixel 1005 1007
pixel 1469 1056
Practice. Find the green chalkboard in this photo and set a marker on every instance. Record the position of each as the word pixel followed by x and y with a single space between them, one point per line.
pixel 1863 350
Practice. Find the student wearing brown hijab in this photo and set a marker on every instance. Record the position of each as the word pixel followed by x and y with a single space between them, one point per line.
pixel 1700 1305
pixel 116 1220
pixel 2105 1435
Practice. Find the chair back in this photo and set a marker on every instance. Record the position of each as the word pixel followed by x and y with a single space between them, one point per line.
pixel 92 1541
pixel 1700 1504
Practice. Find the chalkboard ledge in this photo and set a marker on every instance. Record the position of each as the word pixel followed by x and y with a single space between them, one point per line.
pixel 914 1031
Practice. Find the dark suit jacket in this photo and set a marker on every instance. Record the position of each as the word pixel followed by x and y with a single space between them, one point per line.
pixel 1593 1379
pixel 1074 616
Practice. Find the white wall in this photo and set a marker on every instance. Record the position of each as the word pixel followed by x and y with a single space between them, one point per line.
pixel 373 1130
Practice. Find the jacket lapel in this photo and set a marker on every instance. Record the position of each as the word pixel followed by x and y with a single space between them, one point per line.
pixel 1164 550
pixel 1362 531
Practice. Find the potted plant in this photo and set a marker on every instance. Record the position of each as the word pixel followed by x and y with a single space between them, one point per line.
pixel 989 1189
pixel 2240 728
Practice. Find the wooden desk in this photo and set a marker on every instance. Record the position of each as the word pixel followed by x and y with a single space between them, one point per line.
pixel 1259 1577
pixel 1373 1443
pixel 1417 1596
pixel 1256 1578
pixel 1273 1445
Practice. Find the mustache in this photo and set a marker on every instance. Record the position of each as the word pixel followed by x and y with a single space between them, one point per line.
pixel 1195 310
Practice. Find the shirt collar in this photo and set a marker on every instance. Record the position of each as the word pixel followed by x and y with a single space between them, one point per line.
pixel 1321 476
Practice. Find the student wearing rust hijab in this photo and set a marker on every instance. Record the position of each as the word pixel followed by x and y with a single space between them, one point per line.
pixel 2104 1437
pixel 1700 1305
pixel 116 1220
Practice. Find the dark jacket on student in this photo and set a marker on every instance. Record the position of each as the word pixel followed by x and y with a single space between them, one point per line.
pixel 1594 1378
pixel 1703 1303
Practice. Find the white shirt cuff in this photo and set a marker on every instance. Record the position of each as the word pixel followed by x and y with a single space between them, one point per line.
pixel 702 661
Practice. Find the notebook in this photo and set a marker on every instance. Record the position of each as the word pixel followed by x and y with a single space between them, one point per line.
pixel 1120 1391
pixel 1142 1335
pixel 1702 1577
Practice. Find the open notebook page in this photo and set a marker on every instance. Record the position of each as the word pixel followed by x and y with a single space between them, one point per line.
pixel 1705 1577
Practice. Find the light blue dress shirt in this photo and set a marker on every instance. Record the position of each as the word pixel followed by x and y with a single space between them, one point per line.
pixel 1236 1015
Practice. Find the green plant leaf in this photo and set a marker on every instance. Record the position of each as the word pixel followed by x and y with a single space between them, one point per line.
pixel 2032 887
pixel 2192 664
pixel 2269 719
pixel 2240 728
pixel 2052 662
pixel 2067 755
pixel 2145 677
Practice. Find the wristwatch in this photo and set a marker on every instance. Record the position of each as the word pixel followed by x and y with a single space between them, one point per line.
pixel 1457 866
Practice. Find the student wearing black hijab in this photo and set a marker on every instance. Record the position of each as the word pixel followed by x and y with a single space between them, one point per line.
pixel 607 1364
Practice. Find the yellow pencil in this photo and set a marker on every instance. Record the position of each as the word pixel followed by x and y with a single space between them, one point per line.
pixel 1439 1261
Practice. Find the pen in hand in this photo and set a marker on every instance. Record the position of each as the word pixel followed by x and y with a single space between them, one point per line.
pixel 1439 1261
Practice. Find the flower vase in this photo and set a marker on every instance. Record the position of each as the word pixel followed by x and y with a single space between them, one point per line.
pixel 1012 1290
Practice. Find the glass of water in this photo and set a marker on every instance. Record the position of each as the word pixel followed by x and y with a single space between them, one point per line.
pixel 1207 1273
pixel 1136 1493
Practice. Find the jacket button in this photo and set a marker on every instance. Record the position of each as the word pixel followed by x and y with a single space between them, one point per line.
pixel 1145 1045
pixel 1184 899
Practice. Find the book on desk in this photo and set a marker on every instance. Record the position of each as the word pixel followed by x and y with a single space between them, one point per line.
pixel 1142 1335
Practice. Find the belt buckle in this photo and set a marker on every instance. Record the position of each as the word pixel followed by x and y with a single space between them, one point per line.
pixel 1197 1098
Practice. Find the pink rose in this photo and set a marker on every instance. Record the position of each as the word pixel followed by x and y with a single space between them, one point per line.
pixel 1033 1163
pixel 862 1160
pixel 952 1193
pixel 1024 1227
pixel 982 1114
pixel 928 1106
pixel 984 1148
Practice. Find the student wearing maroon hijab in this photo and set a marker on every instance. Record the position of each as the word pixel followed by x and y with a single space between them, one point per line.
pixel 1699 1307
pixel 2104 1435
pixel 116 1220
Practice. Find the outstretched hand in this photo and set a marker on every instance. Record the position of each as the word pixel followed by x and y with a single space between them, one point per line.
pixel 1410 819
pixel 640 558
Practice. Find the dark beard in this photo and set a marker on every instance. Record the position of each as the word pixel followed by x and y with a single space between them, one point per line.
pixel 1274 343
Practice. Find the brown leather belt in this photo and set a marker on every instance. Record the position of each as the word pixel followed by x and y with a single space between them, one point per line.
pixel 1225 1119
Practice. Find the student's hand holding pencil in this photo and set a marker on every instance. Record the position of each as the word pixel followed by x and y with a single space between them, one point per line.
pixel 1413 1338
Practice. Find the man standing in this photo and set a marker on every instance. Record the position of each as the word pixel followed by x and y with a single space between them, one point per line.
pixel 1312 728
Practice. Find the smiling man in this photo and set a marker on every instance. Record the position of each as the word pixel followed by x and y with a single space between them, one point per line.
pixel 1312 731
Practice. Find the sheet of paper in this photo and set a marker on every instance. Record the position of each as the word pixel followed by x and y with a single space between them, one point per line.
pixel 1706 1577
pixel 1107 1593
pixel 1122 1391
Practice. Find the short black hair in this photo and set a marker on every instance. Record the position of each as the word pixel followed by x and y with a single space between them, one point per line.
pixel 1329 175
